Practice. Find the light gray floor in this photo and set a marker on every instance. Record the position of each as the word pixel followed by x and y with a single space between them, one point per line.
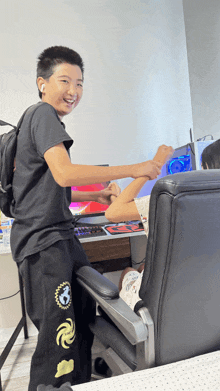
pixel 15 371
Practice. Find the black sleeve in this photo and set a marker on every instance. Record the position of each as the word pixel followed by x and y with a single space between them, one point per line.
pixel 47 130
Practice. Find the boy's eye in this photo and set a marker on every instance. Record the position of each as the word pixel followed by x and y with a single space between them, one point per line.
pixel 64 81
pixel 80 85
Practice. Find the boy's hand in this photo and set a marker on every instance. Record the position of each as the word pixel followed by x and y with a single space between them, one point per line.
pixel 108 195
pixel 163 154
pixel 150 168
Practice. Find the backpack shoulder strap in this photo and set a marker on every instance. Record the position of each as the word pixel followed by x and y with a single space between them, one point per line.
pixel 17 128
pixel 21 120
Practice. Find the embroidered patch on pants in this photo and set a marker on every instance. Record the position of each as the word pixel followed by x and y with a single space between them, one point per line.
pixel 66 334
pixel 64 367
pixel 63 295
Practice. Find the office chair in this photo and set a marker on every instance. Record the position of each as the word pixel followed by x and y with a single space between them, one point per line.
pixel 178 316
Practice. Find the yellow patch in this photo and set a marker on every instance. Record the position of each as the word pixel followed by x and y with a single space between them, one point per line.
pixel 66 334
pixel 64 367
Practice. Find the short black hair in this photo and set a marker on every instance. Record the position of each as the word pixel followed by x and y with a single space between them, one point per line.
pixel 53 56
pixel 211 156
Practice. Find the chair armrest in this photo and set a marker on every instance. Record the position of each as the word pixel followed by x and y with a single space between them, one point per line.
pixel 99 288
pixel 96 281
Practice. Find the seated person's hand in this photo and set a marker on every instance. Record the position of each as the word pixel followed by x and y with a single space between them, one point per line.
pixel 108 195
pixel 115 191
pixel 163 154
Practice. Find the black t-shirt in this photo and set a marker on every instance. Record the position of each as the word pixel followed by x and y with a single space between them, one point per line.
pixel 41 209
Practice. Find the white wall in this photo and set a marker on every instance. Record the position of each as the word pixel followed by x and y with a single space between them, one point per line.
pixel 136 92
pixel 202 21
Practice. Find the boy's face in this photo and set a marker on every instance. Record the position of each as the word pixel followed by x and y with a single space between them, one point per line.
pixel 63 90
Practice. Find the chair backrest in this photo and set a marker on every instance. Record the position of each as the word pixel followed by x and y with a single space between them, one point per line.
pixel 181 281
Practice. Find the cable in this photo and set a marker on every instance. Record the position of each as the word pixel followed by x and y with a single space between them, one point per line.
pixel 4 298
pixel 204 137
pixel 138 263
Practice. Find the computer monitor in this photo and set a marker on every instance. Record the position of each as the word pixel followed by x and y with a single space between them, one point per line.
pixel 90 208
pixel 183 160
pixel 187 158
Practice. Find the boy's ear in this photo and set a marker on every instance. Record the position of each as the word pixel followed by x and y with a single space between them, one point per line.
pixel 40 83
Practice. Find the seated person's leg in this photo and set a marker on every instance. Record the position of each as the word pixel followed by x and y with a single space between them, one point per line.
pixel 141 267
pixel 130 285
pixel 125 271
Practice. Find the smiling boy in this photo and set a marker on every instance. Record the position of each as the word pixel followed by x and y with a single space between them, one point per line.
pixel 42 239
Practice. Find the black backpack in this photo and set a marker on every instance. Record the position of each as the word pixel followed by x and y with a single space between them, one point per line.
pixel 8 146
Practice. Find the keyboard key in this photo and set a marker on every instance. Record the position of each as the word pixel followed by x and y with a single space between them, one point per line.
pixel 89 231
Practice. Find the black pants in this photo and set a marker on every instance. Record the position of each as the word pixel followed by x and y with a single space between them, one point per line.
pixel 61 311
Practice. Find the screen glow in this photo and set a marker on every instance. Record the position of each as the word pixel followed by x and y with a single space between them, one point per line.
pixel 84 208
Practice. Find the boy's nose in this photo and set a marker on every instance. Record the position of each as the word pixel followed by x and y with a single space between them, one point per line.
pixel 72 89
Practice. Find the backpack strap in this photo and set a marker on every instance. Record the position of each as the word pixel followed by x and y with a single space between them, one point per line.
pixel 17 128
pixel 20 121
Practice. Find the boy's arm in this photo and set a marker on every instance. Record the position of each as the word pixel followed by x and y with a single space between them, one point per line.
pixel 67 174
pixel 124 208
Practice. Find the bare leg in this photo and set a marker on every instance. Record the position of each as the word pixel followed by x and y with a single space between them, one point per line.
pixel 141 268
pixel 125 271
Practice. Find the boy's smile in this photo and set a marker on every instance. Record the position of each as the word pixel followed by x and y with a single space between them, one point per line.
pixel 63 90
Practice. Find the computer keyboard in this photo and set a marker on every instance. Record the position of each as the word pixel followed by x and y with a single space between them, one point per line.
pixel 89 231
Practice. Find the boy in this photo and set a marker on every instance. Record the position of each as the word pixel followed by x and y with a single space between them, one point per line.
pixel 42 239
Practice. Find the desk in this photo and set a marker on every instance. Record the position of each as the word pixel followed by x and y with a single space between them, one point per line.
pixel 200 373
pixel 110 252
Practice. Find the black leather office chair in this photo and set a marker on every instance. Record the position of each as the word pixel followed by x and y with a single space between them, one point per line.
pixel 179 314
